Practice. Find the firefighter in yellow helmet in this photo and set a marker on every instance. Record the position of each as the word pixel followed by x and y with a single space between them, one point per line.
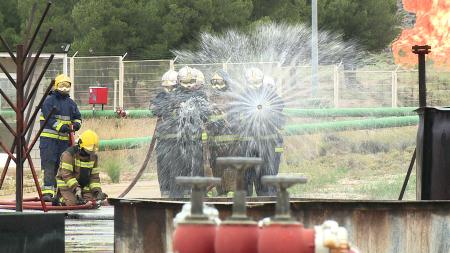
pixel 78 177
pixel 54 138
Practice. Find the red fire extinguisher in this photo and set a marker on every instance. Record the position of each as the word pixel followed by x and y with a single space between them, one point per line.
pixel 71 136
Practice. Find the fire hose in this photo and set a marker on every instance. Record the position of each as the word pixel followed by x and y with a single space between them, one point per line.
pixel 35 204
pixel 144 164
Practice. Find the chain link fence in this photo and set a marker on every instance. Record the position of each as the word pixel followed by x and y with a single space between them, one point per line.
pixel 133 84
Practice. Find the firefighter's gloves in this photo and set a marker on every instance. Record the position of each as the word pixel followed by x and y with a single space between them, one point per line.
pixel 101 196
pixel 76 126
pixel 78 193
pixel 64 128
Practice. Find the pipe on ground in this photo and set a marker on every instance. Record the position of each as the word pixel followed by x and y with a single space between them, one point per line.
pixel 290 130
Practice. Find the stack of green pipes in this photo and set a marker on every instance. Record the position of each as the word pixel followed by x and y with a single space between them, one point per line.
pixel 387 117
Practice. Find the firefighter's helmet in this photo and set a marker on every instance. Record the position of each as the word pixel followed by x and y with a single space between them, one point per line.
pixel 63 83
pixel 186 77
pixel 199 79
pixel 169 78
pixel 254 77
pixel 218 82
pixel 89 141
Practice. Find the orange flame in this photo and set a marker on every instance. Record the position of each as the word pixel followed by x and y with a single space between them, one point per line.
pixel 432 28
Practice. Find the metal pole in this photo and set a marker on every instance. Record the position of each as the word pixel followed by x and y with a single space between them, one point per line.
pixel 19 128
pixel 314 50
pixel 115 94
pixel 65 70
pixel 72 75
pixel 421 51
pixel 336 86
pixel 121 80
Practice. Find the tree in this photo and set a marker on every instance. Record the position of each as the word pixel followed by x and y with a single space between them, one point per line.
pixel 9 23
pixel 59 19
pixel 373 23
pixel 152 28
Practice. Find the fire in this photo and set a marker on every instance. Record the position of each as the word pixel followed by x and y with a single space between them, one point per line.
pixel 432 28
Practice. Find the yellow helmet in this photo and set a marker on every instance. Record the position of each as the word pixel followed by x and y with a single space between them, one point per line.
pixel 89 140
pixel 63 83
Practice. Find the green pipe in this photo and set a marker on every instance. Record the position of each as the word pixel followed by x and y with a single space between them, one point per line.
pixel 126 143
pixel 300 129
pixel 290 130
pixel 351 112
pixel 136 114
pixel 293 112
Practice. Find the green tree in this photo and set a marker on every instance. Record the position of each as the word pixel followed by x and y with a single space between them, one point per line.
pixel 152 28
pixel 290 11
pixel 58 18
pixel 374 23
pixel 9 23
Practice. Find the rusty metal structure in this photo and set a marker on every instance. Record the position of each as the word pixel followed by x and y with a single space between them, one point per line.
pixel 26 90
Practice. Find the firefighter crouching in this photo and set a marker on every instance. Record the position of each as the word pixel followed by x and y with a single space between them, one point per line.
pixel 54 138
pixel 78 176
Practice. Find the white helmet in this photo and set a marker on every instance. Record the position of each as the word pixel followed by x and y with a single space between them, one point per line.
pixel 187 77
pixel 218 82
pixel 199 79
pixel 254 77
pixel 169 79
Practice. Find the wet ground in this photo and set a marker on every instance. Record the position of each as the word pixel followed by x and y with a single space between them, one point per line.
pixel 90 230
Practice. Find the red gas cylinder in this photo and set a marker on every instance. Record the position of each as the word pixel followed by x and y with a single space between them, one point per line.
pixel 238 234
pixel 196 233
pixel 194 238
pixel 285 238
pixel 237 238
pixel 283 234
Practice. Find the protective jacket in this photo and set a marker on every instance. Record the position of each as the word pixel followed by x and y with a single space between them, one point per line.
pixel 76 170
pixel 163 106
pixel 66 113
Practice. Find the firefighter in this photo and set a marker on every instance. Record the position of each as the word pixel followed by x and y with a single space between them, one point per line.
pixel 261 122
pixel 54 139
pixel 218 130
pixel 78 176
pixel 166 131
pixel 192 113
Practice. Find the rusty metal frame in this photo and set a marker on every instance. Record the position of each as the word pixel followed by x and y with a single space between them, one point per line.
pixel 23 99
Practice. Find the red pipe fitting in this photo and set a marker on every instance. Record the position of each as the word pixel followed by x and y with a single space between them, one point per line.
pixel 237 238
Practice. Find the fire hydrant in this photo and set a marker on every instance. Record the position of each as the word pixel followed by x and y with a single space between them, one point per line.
pixel 238 234
pixel 196 234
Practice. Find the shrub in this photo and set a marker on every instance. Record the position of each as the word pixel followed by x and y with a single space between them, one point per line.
pixel 112 167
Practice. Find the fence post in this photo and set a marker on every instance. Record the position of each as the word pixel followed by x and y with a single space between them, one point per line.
pixel 394 88
pixel 72 74
pixel 336 85
pixel 116 83
pixel 121 80
pixel 225 66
